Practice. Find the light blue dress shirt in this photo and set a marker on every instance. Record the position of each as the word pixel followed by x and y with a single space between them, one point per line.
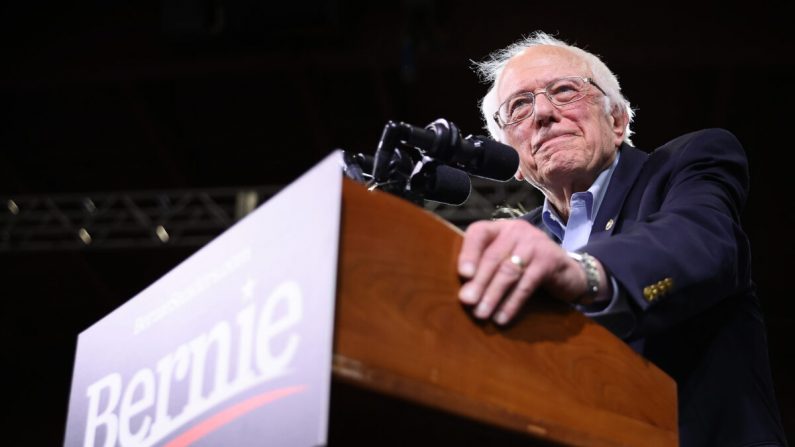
pixel 583 208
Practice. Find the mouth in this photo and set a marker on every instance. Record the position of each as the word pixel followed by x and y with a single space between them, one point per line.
pixel 546 140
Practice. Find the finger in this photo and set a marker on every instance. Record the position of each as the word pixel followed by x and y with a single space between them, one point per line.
pixel 490 259
pixel 505 277
pixel 547 262
pixel 527 285
pixel 477 237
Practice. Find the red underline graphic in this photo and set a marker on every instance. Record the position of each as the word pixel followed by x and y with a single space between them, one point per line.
pixel 218 420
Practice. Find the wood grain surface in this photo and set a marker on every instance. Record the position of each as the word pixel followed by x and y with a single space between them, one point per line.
pixel 554 374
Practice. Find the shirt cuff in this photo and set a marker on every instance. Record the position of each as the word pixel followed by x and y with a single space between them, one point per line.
pixel 616 314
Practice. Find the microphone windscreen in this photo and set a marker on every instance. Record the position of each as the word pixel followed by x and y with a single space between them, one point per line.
pixel 497 162
pixel 445 184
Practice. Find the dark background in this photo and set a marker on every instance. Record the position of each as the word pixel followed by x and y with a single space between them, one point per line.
pixel 117 96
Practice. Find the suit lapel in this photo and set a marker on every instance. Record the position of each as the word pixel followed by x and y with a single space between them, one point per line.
pixel 629 166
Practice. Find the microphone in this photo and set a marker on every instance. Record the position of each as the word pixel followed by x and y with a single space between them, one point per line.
pixel 441 183
pixel 434 163
pixel 478 155
pixel 432 181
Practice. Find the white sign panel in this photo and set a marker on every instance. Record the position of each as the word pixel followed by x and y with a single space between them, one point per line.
pixel 233 346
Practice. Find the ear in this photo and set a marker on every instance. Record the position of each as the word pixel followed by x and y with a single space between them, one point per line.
pixel 618 123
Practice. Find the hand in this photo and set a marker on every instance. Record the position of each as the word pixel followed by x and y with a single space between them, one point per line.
pixel 496 283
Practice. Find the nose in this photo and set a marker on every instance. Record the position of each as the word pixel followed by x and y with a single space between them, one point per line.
pixel 545 112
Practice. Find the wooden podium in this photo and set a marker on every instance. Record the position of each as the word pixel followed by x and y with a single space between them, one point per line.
pixel 555 376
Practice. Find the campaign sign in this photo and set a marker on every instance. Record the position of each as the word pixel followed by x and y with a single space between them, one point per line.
pixel 230 348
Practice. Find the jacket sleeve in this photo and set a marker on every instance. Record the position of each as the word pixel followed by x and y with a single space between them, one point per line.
pixel 682 250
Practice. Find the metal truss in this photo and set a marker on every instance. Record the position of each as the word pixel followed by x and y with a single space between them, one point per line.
pixel 124 219
pixel 490 200
pixel 186 218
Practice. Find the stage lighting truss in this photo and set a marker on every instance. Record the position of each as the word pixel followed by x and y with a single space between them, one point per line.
pixel 182 218
pixel 123 219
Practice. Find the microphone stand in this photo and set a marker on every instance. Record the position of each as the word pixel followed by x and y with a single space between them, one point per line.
pixel 401 168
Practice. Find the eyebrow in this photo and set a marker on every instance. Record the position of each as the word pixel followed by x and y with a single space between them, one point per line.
pixel 542 85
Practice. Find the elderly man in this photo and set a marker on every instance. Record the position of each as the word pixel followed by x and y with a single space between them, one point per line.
pixel 649 245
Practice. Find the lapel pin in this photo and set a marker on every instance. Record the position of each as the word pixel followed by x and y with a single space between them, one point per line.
pixel 609 224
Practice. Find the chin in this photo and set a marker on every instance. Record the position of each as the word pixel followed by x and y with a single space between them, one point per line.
pixel 561 169
pixel 564 159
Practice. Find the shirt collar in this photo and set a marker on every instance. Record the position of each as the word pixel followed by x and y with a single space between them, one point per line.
pixel 593 197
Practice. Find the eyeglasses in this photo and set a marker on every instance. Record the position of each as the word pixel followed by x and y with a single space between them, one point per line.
pixel 559 92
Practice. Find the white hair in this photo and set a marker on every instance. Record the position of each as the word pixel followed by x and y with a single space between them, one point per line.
pixel 491 69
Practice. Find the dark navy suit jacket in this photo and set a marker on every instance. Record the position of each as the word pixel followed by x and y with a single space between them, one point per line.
pixel 668 231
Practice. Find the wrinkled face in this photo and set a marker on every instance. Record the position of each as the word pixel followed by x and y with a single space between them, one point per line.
pixel 560 147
